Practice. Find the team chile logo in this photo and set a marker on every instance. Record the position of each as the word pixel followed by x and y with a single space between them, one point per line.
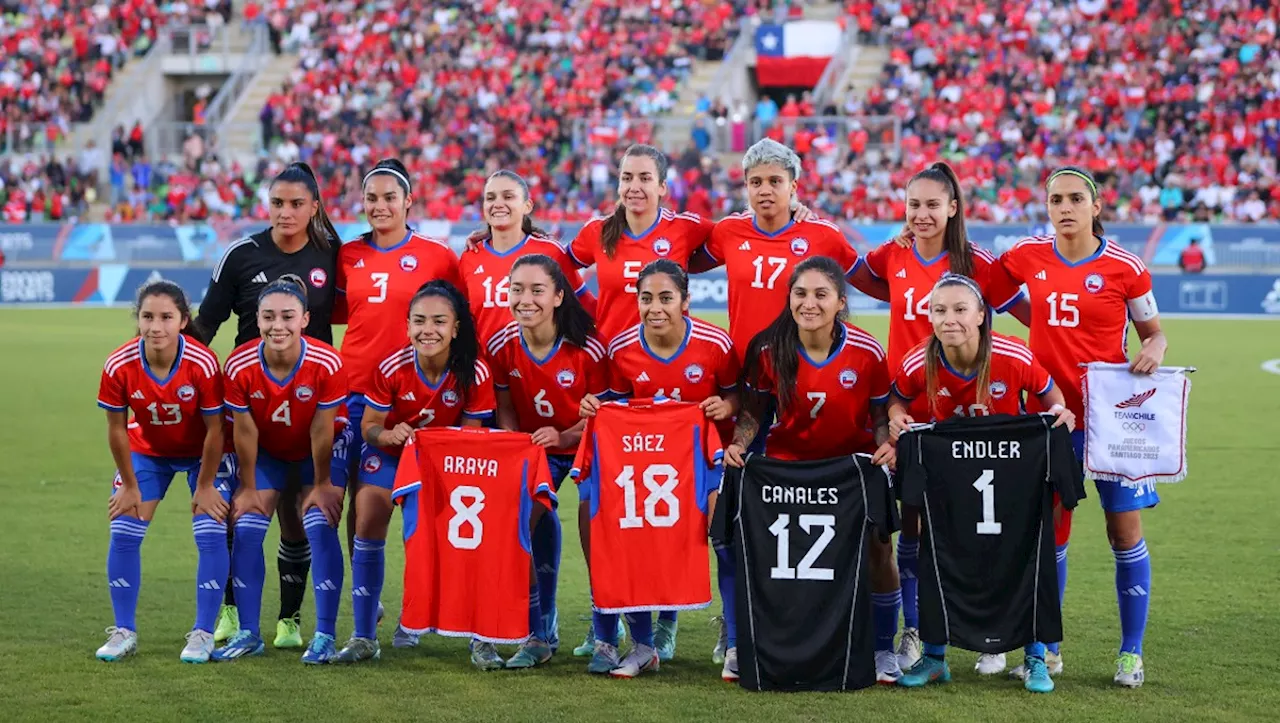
pixel 662 247
pixel 318 277
pixel 372 464
pixel 304 394
pixel 1093 283
pixel 186 393
pixel 799 246
pixel 693 373
pixel 998 390
pixel 848 378
pixel 450 398
pixel 566 378
pixel 408 263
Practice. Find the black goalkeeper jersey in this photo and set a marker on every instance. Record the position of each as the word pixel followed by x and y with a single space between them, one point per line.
pixel 799 531
pixel 988 580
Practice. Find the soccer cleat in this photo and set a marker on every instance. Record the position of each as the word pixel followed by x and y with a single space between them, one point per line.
pixel 199 647
pixel 927 670
pixel 404 639
pixel 588 646
pixel 1037 680
pixel 358 650
pixel 719 652
pixel 241 645
pixel 321 651
pixel 485 656
pixel 664 638
pixel 228 623
pixel 532 652
pixel 730 670
pixel 909 648
pixel 604 658
pixel 887 670
pixel 641 659
pixel 1052 661
pixel 381 613
pixel 1129 673
pixel 287 633
pixel 991 664
pixel 121 643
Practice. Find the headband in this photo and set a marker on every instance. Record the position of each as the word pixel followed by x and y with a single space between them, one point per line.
pixel 392 171
pixel 283 287
pixel 1073 172
pixel 950 279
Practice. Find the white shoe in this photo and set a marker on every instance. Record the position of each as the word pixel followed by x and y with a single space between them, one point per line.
pixel 641 659
pixel 730 670
pixel 1129 673
pixel 1052 660
pixel 199 647
pixel 887 670
pixel 909 648
pixel 990 664
pixel 121 643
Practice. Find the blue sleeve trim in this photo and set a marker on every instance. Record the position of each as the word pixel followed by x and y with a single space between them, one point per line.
pixel 731 388
pixel 211 411
pixel 1047 388
pixel 862 261
pixel 581 289
pixel 234 408
pixel 893 387
pixel 111 408
pixel 568 249
pixel 488 414
pixel 1011 302
pixel 369 403
pixel 880 399
pixel 332 404
pixel 500 386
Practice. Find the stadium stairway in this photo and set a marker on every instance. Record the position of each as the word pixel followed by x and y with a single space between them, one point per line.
pixel 241 130
pixel 865 71
pixel 674 131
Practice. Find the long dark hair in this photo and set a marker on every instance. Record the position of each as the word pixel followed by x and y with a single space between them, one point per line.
pixel 394 168
pixel 781 339
pixel 1089 181
pixel 464 349
pixel 677 275
pixel 616 224
pixel 527 226
pixel 572 321
pixel 320 230
pixel 955 237
pixel 161 287
pixel 933 351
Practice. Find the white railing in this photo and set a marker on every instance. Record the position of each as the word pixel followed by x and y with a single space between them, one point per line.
pixel 845 57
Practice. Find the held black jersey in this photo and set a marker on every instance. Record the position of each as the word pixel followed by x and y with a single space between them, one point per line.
pixel 799 531
pixel 985 486
pixel 255 261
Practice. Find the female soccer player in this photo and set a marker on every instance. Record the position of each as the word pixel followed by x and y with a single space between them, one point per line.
pixel 1084 289
pixel 828 382
pixel 668 354
pixel 437 380
pixel 933 243
pixel 285 392
pixel 543 364
pixel 486 265
pixel 303 242
pixel 170 382
pixel 982 373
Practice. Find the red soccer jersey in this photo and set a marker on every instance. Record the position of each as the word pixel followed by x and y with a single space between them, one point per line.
pixel 758 266
pixel 487 274
pixel 830 411
pixel 647 470
pixel 283 408
pixel 1014 370
pixel 674 236
pixel 168 414
pixel 468 497
pixel 401 390
pixel 1079 312
pixel 911 279
pixel 374 288
pixel 547 392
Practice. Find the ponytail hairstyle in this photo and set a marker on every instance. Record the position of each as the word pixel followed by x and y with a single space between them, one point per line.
pixel 320 230
pixel 289 284
pixel 572 321
pixel 527 226
pixel 616 224
pixel 781 339
pixel 673 270
pixel 933 352
pixel 464 349
pixel 955 238
pixel 1089 181
pixel 161 287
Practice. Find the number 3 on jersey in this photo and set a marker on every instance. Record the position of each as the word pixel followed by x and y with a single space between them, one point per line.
pixel 379 281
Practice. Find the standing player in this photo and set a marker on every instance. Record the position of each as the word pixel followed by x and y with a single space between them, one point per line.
pixel 1084 289
pixel 544 363
pixel 303 242
pixel 828 381
pixel 669 354
pixel 437 380
pixel 966 370
pixel 486 265
pixel 285 392
pixel 934 242
pixel 170 383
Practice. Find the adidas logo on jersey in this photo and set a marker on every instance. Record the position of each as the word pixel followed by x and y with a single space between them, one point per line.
pixel 120 582
pixel 644 377
pixel 327 585
pixel 1041 276
pixel 256 395
pixel 479 270
pixel 746 246
pixel 261 278
pixel 902 274
pixel 408 397
pixel 1135 591
pixel 359 264
pixel 137 395
pixel 361 591
pixel 210 585
pixel 944 392
pixel 515 373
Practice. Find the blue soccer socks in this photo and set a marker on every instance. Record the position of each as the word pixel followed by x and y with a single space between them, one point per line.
pixel 884 609
pixel 1060 554
pixel 249 568
pixel 726 577
pixel 124 568
pixel 1133 592
pixel 908 577
pixel 368 569
pixel 327 569
pixel 213 564
pixel 546 543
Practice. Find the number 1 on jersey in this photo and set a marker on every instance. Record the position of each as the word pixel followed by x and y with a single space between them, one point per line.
pixel 658 492
pixel 496 295
pixel 915 309
pixel 988 525
pixel 778 265
pixel 1063 310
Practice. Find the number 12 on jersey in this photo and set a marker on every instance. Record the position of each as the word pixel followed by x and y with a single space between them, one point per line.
pixel 781 529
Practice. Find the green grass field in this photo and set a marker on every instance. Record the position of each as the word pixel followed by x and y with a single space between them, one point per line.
pixel 1215 545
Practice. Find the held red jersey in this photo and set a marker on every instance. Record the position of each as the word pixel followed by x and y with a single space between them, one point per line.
pixel 375 286
pixel 911 279
pixel 647 470
pixel 759 264
pixel 487 274
pixel 674 236
pixel 1079 312
pixel 830 412
pixel 1014 371
pixel 402 391
pixel 546 392
pixel 283 409
pixel 167 414
pixel 468 497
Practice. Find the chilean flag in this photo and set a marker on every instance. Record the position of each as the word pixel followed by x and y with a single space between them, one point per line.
pixel 796 53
